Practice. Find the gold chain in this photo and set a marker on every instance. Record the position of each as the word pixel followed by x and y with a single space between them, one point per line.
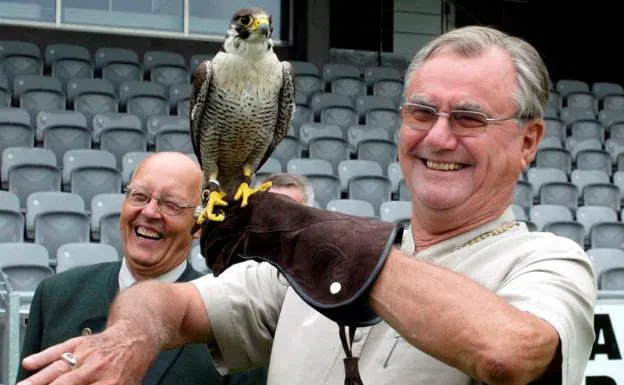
pixel 492 233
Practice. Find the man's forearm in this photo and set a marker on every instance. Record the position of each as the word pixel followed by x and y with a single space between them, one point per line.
pixel 461 323
pixel 162 314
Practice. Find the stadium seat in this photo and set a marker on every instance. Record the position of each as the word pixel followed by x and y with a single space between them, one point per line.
pixel 326 187
pixel 390 120
pixel 60 131
pixel 332 149
pixel 16 129
pixel 612 279
pixel 165 68
pixel 5 91
pixel 396 212
pixel 178 93
pixel 392 89
pixel 36 93
pixel 301 166
pixel 25 265
pixel 309 131
pixel 601 89
pixel 557 158
pixel 331 71
pixel 607 234
pixel 129 163
pixel 356 207
pixel 27 170
pixel 381 151
pixel 173 139
pixel 159 123
pixel 143 99
pixel 196 60
pixel 88 173
pixel 569 229
pixel 375 73
pixel 348 169
pixel 71 255
pixel 352 87
pixel 559 193
pixel 102 206
pixel 602 194
pixel 289 148
pixel 92 97
pixel 117 65
pixel 304 68
pixel 372 188
pixel 119 133
pixel 603 259
pixel 19 57
pixel 357 133
pixel 588 216
pixel 365 103
pixel 68 61
pixel 523 194
pixel 308 84
pixel 565 86
pixel 543 214
pixel 11 218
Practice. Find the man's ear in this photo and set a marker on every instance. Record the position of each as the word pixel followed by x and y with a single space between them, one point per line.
pixel 533 135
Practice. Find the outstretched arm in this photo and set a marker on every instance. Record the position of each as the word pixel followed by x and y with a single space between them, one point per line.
pixel 143 320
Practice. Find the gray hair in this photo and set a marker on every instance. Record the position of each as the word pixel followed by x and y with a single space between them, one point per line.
pixel 532 79
pixel 282 179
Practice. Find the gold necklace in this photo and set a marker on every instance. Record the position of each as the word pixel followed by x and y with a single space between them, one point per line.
pixel 492 233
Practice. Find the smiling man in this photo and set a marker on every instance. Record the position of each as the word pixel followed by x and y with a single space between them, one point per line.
pixel 471 296
pixel 155 222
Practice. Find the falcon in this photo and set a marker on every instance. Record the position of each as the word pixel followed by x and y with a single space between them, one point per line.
pixel 242 104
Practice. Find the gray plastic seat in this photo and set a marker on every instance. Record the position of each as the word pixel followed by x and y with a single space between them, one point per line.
pixel 612 279
pixel 162 123
pixel 303 114
pixel 588 129
pixel 613 102
pixel 356 207
pixel 25 266
pixel 19 57
pixel 289 148
pixel 555 127
pixel 554 158
pixel 588 216
pixel 607 234
pixel 569 229
pixel 323 100
pixel 143 99
pixel 183 108
pixel 61 131
pixel 173 139
pixel 119 133
pixel 357 133
pixel 308 131
pixel 56 218
pixel 91 172
pixel 601 89
pixel 542 214
pixel 38 93
pixel 392 89
pixel 550 142
pixel 602 194
pixel 165 68
pixel 375 73
pixel 605 258
pixel 332 149
pixel 372 188
pixel 523 194
pixel 365 103
pixel 340 116
pixel 129 163
pixel 68 61
pixel 178 93
pixel 404 192
pixel 71 255
pixel 104 205
pixel 92 97
pixel 592 159
pixel 582 178
pixel 565 86
pixel 308 84
pixel 110 233
pixel 559 193
pixel 331 71
pixel 5 91
pixel 16 129
pixel 381 151
pixel 326 187
pixel 28 170
pixel 305 166
pixel 396 211
pixel 117 65
pixel 520 213
pixel 390 120
pixel 11 218
pixel 351 168
pixel 271 166
pixel 349 86
pixel 395 174
pixel 197 59
pixel 582 99
pixel 303 67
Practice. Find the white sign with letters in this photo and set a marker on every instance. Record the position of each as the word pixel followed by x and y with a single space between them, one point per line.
pixel 606 365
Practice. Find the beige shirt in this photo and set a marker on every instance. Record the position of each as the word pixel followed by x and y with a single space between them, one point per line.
pixel 257 318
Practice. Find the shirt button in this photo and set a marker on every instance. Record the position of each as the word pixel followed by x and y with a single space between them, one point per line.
pixel 357 336
pixel 86 332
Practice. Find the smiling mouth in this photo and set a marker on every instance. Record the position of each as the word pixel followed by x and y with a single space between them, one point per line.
pixel 441 166
pixel 148 234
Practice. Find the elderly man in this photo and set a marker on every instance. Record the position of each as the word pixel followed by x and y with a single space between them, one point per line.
pixel 155 220
pixel 471 296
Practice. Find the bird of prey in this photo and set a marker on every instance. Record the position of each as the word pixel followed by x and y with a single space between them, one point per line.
pixel 242 104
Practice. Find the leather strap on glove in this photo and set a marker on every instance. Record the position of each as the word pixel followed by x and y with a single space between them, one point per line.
pixel 330 259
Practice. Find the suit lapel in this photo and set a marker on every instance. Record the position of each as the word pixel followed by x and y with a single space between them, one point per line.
pixel 167 358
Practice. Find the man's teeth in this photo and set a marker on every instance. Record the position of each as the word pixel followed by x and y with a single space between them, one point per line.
pixel 444 166
pixel 148 233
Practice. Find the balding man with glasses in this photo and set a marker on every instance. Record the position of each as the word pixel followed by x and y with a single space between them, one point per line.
pixel 155 222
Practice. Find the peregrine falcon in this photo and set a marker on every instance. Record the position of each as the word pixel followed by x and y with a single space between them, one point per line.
pixel 242 105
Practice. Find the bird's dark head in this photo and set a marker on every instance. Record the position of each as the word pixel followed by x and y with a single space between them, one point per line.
pixel 249 26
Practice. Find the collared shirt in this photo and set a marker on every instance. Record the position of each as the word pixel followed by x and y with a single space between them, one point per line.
pixel 256 319
pixel 126 279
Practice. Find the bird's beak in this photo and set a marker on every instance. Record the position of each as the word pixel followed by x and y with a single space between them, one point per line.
pixel 261 25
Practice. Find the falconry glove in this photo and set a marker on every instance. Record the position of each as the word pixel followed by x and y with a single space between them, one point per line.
pixel 330 259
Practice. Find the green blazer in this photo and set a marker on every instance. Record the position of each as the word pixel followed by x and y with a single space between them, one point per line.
pixel 76 302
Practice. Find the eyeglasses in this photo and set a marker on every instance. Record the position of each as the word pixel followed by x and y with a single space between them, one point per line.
pixel 461 122
pixel 168 207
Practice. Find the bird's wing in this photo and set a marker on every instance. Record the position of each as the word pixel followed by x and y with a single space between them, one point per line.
pixel 199 95
pixel 286 109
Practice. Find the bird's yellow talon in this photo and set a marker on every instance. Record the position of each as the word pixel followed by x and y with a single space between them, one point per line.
pixel 214 199
pixel 244 191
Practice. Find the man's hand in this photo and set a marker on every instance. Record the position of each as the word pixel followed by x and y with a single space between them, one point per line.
pixel 112 357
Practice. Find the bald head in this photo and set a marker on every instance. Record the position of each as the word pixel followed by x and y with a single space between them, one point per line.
pixel 173 166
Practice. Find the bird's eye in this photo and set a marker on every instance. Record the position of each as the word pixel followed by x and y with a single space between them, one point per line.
pixel 245 20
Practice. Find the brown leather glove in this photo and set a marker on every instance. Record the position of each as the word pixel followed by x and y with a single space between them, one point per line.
pixel 330 259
